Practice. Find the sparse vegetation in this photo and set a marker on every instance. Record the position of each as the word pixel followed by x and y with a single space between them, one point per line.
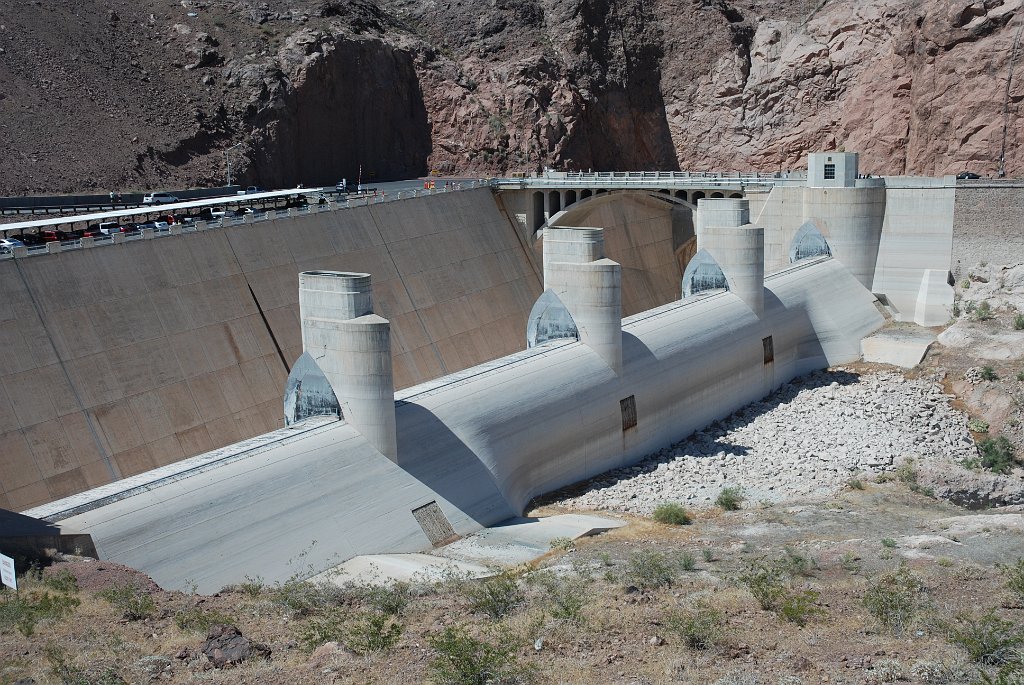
pixel 855 484
pixel 730 498
pixel 465 660
pixel 496 597
pixel 24 611
pixel 699 628
pixel 1018 322
pixel 1014 577
pixel 988 373
pixel 983 312
pixel 997 454
pixel 372 632
pixel 687 562
pixel 648 570
pixel 889 543
pixel 893 598
pixel 328 626
pixel 673 514
pixel 988 639
pixel 765 582
pixel 565 596
pixel 562 543
pixel 133 602
pixel 800 607
pixel 977 426
pixel 67 673
pixel 199 620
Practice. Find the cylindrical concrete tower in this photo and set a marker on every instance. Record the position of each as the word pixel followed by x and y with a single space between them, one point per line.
pixel 589 286
pixel 725 231
pixel 571 245
pixel 851 221
pixel 352 346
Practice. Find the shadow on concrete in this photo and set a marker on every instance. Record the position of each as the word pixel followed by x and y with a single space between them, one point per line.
pixel 29 539
pixel 446 465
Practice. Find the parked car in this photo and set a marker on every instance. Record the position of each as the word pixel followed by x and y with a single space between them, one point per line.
pixel 159 199
pixel 92 231
pixel 242 211
pixel 249 191
pixel 52 235
pixel 967 176
pixel 8 244
pixel 31 239
pixel 211 213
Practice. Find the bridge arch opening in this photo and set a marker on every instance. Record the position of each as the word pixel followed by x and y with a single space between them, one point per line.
pixel 570 197
pixel 554 203
pixel 549 320
pixel 703 274
pixel 308 393
pixel 538 210
pixel 738 196
pixel 717 195
pixel 697 195
pixel 665 191
pixel 601 190
pixel 681 195
pixel 808 243
pixel 585 193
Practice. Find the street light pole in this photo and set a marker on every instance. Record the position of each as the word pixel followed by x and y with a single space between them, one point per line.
pixel 227 161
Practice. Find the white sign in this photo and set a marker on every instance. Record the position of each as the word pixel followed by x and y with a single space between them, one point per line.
pixel 7 572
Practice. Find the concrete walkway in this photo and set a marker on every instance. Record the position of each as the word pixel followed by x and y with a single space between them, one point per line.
pixel 486 553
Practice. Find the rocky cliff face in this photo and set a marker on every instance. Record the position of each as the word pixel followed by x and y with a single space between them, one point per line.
pixel 112 94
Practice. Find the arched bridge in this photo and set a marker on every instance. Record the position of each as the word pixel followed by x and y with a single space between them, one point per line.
pixel 550 195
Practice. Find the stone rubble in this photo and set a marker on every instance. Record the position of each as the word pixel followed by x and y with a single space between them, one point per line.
pixel 808 439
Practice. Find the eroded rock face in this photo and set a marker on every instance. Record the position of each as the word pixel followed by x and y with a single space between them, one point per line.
pixel 153 97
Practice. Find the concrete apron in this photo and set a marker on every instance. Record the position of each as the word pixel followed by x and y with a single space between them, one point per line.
pixel 482 554
pixel 903 346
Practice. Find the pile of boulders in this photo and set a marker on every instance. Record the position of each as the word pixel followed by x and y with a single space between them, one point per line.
pixel 808 439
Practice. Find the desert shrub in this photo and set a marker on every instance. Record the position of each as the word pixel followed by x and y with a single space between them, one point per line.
pixel 888 543
pixel 565 597
pixel 23 612
pixel 687 562
pixel 253 587
pixel 304 598
pixel 977 425
pixel 996 454
pixel 562 543
pixel 855 484
pixel 892 599
pixel 798 564
pixel 1018 322
pixel 497 597
pixel 199 620
pixel 730 498
pixel 987 639
pixel 328 626
pixel 69 674
pixel 765 582
pixel 906 472
pixel 800 607
pixel 989 374
pixel 983 312
pixel 372 632
pixel 1011 673
pixel 464 660
pixel 1020 375
pixel 672 514
pixel 1014 577
pixel 699 628
pixel 389 600
pixel 133 602
pixel 62 581
pixel 649 570
pixel 708 554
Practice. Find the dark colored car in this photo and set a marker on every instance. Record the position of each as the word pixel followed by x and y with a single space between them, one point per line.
pixel 967 176
pixel 50 236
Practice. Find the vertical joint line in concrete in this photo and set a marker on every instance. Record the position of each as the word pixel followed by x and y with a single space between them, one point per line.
pixel 115 472
pixel 267 325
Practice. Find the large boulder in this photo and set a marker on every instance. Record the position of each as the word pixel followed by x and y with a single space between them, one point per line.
pixel 226 646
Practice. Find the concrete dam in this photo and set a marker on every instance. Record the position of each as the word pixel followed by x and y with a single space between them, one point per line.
pixel 439 435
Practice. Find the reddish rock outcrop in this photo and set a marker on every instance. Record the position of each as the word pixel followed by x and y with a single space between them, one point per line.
pixel 117 95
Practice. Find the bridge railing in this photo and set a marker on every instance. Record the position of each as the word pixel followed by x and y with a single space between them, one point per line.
pixel 249 218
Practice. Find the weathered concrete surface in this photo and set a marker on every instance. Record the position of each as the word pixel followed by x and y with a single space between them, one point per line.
pixel 903 347
pixel 114 361
pixel 481 443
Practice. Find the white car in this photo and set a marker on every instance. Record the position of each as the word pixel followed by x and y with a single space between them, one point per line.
pixel 159 199
pixel 8 244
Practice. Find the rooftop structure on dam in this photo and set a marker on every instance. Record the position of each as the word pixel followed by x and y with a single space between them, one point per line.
pixel 455 361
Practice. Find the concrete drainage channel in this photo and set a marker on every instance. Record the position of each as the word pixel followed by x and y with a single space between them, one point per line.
pixel 480 555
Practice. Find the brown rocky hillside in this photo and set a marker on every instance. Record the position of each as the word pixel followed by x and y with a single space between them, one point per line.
pixel 111 94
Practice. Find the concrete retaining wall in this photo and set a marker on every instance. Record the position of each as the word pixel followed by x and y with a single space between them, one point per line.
pixel 119 359
pixel 988 224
